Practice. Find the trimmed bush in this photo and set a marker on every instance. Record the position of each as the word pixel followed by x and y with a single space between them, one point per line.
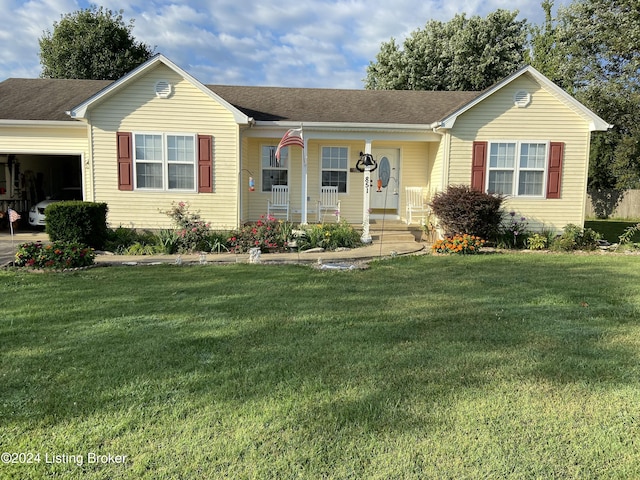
pixel 462 210
pixel 77 222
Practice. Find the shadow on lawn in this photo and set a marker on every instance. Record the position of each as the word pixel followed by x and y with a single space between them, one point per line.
pixel 352 348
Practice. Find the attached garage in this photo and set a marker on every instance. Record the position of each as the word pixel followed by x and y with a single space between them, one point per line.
pixel 43 151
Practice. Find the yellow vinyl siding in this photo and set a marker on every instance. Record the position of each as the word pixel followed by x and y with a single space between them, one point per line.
pixel 548 119
pixel 37 140
pixel 135 108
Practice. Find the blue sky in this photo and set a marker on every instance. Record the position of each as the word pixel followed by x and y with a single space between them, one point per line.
pixel 303 43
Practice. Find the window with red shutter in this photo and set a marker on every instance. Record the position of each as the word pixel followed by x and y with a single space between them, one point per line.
pixel 554 177
pixel 478 166
pixel 125 161
pixel 165 162
pixel 518 168
pixel 205 163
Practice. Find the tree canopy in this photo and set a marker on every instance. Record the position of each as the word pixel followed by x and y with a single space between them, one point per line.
pixel 93 43
pixel 462 54
pixel 592 49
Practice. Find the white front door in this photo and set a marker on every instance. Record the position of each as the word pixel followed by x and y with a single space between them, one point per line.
pixel 385 198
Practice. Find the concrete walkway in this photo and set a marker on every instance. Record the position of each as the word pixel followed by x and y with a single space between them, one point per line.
pixel 374 250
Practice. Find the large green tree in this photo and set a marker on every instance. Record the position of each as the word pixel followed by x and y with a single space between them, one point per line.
pixel 93 43
pixel 463 54
pixel 592 49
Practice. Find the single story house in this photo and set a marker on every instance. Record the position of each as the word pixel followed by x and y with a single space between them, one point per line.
pixel 158 136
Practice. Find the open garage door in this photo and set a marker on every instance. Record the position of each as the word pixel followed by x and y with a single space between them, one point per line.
pixel 26 179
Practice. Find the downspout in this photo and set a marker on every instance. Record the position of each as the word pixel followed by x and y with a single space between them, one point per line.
pixel 251 122
pixel 446 152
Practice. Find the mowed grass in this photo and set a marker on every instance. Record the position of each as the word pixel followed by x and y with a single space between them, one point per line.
pixel 612 229
pixel 493 366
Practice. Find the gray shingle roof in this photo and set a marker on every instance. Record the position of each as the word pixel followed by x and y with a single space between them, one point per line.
pixel 44 98
pixel 344 106
pixel 49 99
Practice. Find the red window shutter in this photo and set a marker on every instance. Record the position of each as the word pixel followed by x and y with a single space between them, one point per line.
pixel 205 163
pixel 125 161
pixel 479 166
pixel 554 179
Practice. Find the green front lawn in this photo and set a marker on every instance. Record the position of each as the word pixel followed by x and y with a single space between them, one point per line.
pixel 611 229
pixel 491 366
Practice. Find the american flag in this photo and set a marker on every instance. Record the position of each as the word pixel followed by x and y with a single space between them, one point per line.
pixel 13 215
pixel 292 137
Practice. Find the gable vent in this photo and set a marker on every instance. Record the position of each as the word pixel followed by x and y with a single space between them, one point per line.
pixel 163 89
pixel 522 98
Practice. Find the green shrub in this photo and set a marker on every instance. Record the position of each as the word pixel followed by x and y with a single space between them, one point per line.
pixel 537 241
pixel 169 241
pixel 576 238
pixel 144 249
pixel 217 242
pixel 77 222
pixel 122 239
pixel 462 210
pixel 329 236
pixel 55 256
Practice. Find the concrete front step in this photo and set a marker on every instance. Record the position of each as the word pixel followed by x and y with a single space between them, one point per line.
pixel 394 237
pixel 395 232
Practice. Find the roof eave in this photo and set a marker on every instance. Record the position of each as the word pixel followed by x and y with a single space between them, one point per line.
pixel 415 127
pixel 42 123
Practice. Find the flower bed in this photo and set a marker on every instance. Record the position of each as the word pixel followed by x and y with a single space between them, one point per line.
pixel 54 256
pixel 458 244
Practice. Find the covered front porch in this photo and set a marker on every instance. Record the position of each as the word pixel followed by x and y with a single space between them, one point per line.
pixel 330 161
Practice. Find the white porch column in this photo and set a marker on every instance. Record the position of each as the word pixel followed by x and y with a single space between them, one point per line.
pixel 303 210
pixel 366 236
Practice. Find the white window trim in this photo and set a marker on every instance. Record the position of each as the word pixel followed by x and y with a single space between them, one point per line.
pixel 262 169
pixel 347 170
pixel 517 169
pixel 165 162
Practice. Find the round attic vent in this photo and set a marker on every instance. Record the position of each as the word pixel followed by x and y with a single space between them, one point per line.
pixel 522 98
pixel 163 89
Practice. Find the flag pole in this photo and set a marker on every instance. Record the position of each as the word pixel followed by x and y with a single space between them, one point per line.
pixel 11 229
pixel 13 217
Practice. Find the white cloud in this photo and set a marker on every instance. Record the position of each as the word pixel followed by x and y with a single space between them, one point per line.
pixel 258 42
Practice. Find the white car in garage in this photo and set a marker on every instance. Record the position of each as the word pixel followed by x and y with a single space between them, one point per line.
pixel 36 214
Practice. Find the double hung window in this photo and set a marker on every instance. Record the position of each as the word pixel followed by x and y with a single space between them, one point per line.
pixel 274 171
pixel 335 167
pixel 517 168
pixel 164 161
